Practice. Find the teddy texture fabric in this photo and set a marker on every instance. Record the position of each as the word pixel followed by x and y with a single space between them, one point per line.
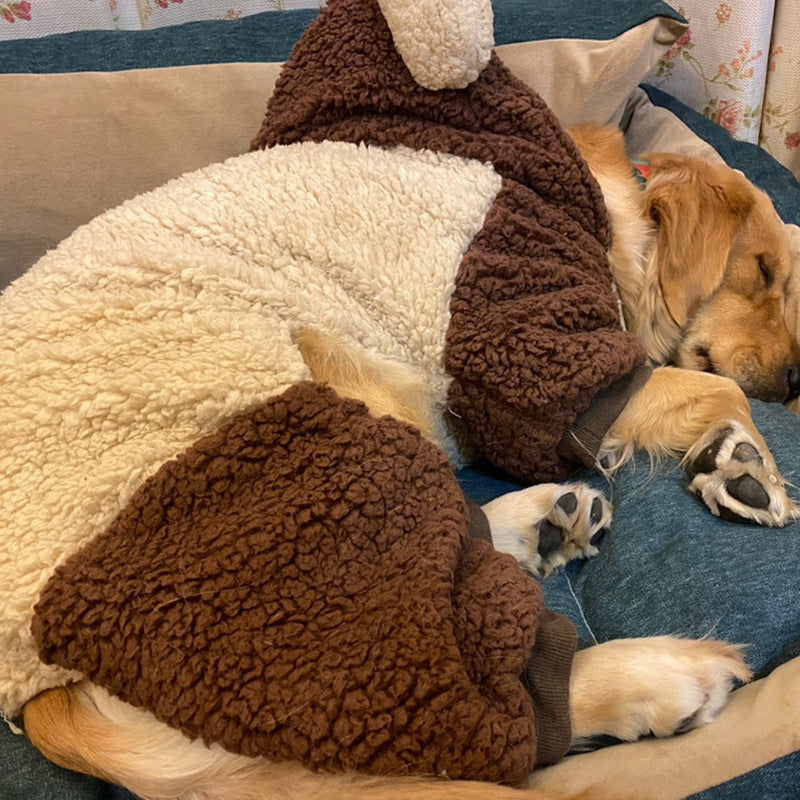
pixel 444 43
pixel 455 232
pixel 534 331
pixel 300 585
pixel 162 319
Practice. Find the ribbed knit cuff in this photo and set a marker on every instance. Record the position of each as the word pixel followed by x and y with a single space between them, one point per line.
pixel 582 441
pixel 546 677
pixel 478 522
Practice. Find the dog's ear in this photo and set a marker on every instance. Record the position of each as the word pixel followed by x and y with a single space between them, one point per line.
pixel 699 209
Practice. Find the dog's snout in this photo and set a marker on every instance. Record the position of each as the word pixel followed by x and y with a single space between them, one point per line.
pixel 793 381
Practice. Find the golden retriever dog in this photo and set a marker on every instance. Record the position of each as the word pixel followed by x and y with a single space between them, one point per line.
pixel 612 690
pixel 700 264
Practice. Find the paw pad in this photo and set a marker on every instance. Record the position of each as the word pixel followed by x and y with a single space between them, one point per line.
pixel 736 480
pixel 573 529
pixel 550 538
pixel 596 513
pixel 706 461
pixel 547 525
pixel 568 502
pixel 746 489
pixel 598 537
pixel 745 452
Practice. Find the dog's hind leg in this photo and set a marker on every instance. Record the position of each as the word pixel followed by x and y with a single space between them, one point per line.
pixel 547 525
pixel 386 387
pixel 706 419
pixel 625 688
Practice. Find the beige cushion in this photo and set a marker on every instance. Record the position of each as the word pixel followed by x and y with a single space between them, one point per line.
pixel 76 144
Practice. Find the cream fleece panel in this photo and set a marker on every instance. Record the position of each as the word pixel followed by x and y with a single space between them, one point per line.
pixel 444 43
pixel 163 318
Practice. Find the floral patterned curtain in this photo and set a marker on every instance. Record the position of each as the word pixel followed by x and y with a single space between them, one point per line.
pixel 739 64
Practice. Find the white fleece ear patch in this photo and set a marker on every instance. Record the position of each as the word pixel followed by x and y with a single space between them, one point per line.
pixel 444 43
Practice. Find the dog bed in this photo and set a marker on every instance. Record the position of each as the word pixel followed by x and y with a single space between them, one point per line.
pixel 587 587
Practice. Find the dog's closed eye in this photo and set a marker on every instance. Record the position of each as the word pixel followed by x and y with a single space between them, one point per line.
pixel 704 357
pixel 767 272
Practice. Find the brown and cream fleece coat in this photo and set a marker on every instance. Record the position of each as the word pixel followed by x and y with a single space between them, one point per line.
pixel 189 522
pixel 533 329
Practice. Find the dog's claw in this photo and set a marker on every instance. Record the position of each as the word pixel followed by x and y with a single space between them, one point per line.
pixel 737 481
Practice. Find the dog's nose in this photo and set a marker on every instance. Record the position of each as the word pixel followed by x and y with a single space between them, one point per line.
pixel 793 381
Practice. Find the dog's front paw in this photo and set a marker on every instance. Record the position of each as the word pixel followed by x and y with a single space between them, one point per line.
pixel 547 525
pixel 660 686
pixel 737 479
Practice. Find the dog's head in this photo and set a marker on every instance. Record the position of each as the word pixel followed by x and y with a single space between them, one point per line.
pixel 723 264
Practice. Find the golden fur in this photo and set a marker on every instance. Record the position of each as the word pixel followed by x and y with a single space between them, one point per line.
pixel 701 260
pixel 81 727
pixel 712 320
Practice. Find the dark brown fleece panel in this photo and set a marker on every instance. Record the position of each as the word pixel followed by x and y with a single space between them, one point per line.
pixel 300 585
pixel 534 332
